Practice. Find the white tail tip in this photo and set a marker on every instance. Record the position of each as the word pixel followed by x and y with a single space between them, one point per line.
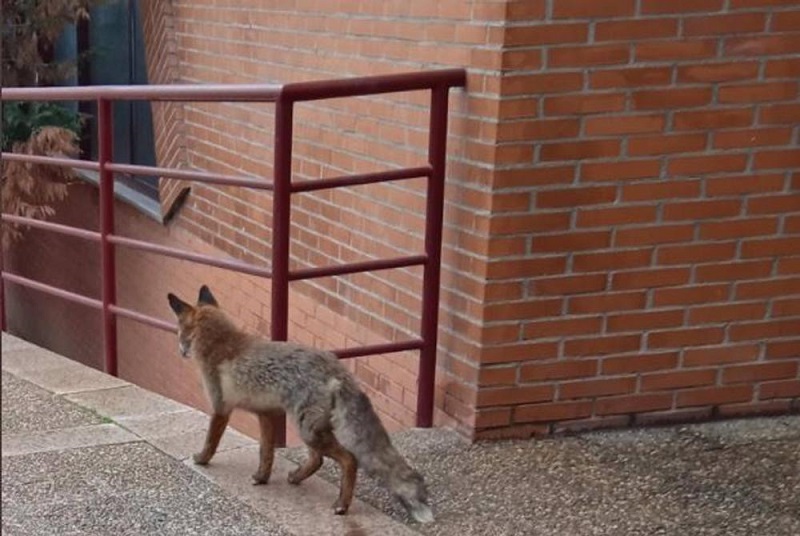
pixel 422 513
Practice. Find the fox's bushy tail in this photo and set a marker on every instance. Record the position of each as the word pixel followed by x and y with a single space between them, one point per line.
pixel 359 430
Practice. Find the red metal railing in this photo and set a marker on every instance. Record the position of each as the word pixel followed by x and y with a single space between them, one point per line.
pixel 284 97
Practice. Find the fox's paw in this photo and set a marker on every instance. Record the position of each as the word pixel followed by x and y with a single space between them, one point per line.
pixel 293 477
pixel 339 509
pixel 259 479
pixel 201 458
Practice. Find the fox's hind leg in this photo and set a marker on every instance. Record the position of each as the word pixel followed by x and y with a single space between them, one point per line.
pixel 215 429
pixel 267 450
pixel 349 466
pixel 313 463
pixel 318 435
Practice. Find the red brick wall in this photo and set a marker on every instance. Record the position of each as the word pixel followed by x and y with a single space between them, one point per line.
pixel 170 139
pixel 646 216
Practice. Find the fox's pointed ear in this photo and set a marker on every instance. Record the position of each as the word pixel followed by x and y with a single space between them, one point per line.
pixel 178 305
pixel 206 298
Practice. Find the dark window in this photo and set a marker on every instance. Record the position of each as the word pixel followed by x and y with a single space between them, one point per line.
pixel 111 47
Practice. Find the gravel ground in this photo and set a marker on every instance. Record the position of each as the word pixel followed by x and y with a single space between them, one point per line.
pixel 733 478
pixel 131 489
pixel 27 408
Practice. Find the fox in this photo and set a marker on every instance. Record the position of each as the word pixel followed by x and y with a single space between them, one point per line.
pixel 334 417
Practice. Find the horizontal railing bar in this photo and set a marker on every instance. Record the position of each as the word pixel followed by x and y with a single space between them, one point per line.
pixel 367 178
pixel 190 175
pixel 387 348
pixel 166 326
pixel 144 319
pixel 173 92
pixel 366 266
pixel 236 266
pixel 50 226
pixel 299 91
pixel 131 169
pixel 372 85
pixel 51 160
pixel 53 291
pixel 227 180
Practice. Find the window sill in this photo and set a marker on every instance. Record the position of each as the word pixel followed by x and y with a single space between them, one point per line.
pixel 147 206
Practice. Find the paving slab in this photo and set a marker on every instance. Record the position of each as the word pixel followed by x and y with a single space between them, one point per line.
pixel 54 373
pixel 68 438
pixel 126 401
pixel 72 379
pixel 181 433
pixel 23 358
pixel 9 342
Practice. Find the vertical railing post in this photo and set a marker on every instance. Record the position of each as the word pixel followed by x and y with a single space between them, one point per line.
pixel 105 152
pixel 437 155
pixel 281 221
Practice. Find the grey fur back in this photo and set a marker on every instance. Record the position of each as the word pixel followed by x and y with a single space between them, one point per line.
pixel 298 375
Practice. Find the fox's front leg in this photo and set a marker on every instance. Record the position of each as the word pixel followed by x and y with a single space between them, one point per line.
pixel 267 450
pixel 215 429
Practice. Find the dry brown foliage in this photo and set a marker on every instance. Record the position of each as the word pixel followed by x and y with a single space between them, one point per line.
pixel 29 190
pixel 30 29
